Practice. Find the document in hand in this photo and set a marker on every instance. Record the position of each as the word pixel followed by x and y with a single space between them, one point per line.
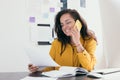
pixel 66 71
pixel 39 56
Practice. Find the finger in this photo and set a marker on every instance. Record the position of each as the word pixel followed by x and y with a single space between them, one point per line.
pixel 75 32
pixel 33 69
pixel 29 65
pixel 75 29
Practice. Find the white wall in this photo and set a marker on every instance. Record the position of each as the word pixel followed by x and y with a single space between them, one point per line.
pixel 94 23
pixel 15 33
pixel 110 14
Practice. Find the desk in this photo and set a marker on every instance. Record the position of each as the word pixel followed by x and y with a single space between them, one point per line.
pixel 20 75
pixel 12 75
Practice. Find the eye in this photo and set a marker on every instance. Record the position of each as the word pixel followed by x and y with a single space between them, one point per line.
pixel 68 22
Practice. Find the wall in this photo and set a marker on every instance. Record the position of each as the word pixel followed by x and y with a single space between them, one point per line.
pixel 15 33
pixel 110 14
pixel 93 17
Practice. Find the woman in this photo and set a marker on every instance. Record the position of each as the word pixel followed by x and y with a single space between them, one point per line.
pixel 71 47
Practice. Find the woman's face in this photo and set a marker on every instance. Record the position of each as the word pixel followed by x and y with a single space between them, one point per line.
pixel 67 23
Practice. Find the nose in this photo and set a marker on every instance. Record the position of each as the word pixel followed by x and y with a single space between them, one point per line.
pixel 65 26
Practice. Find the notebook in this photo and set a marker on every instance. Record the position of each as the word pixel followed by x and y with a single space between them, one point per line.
pixel 107 71
pixel 66 71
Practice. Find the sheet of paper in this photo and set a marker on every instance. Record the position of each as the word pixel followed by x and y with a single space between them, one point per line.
pixel 107 70
pixel 113 76
pixel 39 55
pixel 38 78
pixel 57 74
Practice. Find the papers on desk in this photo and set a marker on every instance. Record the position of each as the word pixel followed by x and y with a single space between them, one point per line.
pixel 65 71
pixel 107 71
pixel 38 78
pixel 113 76
pixel 39 56
pixel 103 73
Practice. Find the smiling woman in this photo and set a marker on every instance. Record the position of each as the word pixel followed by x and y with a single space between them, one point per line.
pixel 71 47
pixel 16 32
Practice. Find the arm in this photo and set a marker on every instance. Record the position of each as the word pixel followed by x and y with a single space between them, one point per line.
pixel 87 57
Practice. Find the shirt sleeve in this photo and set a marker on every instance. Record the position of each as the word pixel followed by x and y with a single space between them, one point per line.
pixel 87 58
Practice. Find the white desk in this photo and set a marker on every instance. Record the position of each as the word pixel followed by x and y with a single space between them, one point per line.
pixel 20 75
pixel 112 76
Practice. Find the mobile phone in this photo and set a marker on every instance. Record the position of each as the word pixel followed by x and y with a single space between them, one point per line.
pixel 78 25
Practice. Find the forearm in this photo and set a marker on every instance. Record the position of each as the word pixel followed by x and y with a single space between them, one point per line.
pixel 79 48
pixel 48 69
pixel 86 60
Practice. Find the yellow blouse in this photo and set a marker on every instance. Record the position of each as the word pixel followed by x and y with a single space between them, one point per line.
pixel 70 56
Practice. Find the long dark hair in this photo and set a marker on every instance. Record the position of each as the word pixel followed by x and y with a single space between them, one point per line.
pixel 58 28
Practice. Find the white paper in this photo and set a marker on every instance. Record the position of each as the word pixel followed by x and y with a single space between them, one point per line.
pixel 113 76
pixel 57 74
pixel 44 33
pixel 64 71
pixel 38 78
pixel 107 70
pixel 41 33
pixel 39 56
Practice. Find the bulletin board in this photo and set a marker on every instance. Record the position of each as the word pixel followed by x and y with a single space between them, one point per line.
pixel 41 14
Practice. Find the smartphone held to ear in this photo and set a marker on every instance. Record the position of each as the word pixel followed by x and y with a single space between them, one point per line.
pixel 78 25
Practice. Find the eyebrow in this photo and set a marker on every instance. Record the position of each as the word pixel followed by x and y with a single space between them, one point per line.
pixel 68 20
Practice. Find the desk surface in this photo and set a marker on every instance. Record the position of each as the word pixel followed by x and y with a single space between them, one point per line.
pixel 12 75
pixel 20 75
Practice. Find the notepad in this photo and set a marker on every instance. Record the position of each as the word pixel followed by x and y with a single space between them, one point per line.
pixel 66 71
pixel 107 71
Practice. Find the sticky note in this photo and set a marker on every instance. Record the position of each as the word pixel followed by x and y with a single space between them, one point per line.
pixel 52 9
pixel 32 19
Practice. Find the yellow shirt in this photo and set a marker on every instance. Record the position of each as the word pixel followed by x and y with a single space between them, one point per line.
pixel 70 56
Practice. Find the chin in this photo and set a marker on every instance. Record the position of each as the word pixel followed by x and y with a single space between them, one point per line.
pixel 67 34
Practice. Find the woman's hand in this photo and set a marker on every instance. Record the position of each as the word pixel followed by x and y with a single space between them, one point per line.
pixel 75 40
pixel 75 36
pixel 33 68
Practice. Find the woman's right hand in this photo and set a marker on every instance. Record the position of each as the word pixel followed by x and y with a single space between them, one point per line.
pixel 32 68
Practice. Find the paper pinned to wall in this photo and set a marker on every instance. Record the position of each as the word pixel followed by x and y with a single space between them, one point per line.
pixel 44 33
pixel 32 19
